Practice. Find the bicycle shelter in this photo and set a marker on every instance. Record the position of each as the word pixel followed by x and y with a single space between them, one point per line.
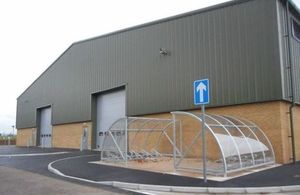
pixel 136 138
pixel 233 144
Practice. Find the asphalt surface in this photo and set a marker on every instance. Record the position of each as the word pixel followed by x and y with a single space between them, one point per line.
pixel 39 164
pixel 16 181
pixel 80 167
pixel 279 176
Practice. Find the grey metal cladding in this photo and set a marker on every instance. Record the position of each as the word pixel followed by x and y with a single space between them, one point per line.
pixel 295 52
pixel 236 47
pixel 296 58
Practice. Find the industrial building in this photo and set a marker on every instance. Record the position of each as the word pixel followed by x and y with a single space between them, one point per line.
pixel 248 49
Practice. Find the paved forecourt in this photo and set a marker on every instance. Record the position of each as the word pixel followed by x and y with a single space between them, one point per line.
pixel 75 166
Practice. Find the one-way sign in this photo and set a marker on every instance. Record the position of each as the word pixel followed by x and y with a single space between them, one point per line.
pixel 201 92
pixel 201 96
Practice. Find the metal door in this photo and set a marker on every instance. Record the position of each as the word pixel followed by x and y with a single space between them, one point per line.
pixel 84 139
pixel 110 107
pixel 45 128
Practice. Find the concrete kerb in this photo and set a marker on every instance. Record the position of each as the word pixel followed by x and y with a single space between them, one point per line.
pixel 264 190
pixel 290 188
pixel 161 188
pixel 226 190
pixel 189 189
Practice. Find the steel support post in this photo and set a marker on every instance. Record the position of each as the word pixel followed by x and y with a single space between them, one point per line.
pixel 203 143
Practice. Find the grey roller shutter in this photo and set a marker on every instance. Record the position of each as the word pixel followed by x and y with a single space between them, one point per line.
pixel 110 108
pixel 45 128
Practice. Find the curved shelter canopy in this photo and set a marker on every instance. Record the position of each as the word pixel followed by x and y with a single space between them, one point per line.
pixel 233 144
pixel 137 138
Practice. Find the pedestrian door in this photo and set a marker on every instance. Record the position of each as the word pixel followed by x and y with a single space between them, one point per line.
pixel 45 127
pixel 110 108
pixel 84 145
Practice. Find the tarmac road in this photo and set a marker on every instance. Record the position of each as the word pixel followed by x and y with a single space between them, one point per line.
pixel 30 175
pixel 279 176
pixel 14 181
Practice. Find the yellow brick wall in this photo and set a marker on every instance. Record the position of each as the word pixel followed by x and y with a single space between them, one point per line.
pixel 286 131
pixel 149 140
pixel 271 117
pixel 69 135
pixel 267 116
pixel 190 129
pixel 297 131
pixel 26 137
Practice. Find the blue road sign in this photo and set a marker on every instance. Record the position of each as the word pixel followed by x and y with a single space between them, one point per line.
pixel 201 92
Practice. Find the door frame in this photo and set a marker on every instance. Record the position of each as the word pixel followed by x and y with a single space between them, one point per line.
pixel 94 97
pixel 38 121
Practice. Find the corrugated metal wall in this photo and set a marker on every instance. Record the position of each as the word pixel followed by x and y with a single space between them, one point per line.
pixel 295 52
pixel 236 47
pixel 296 65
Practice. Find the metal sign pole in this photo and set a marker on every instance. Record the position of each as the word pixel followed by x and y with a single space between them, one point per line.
pixel 126 141
pixel 201 97
pixel 203 143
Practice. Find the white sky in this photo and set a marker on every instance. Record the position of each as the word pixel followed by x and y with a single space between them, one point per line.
pixel 34 33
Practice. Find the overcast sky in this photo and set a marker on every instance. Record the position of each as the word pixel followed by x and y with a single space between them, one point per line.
pixel 34 33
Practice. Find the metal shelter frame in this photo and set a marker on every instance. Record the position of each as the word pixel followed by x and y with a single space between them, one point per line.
pixel 137 138
pixel 235 144
pixel 241 143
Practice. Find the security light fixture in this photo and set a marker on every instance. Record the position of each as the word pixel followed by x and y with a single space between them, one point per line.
pixel 163 51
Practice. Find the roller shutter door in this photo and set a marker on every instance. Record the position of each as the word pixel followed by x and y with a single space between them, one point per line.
pixel 110 108
pixel 45 128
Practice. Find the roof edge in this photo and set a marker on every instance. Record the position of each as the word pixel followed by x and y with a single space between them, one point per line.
pixel 183 15
pixel 46 70
pixel 202 10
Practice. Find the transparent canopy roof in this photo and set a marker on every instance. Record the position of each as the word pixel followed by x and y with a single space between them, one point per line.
pixel 241 143
pixel 233 144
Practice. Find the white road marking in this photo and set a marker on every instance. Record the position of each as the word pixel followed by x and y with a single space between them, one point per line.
pixel 32 154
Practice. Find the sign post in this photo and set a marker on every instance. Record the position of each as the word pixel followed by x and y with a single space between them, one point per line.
pixel 201 97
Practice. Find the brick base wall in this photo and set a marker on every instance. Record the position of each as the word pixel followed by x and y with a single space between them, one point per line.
pixel 26 137
pixel 69 135
pixel 266 116
pixel 297 131
pixel 271 117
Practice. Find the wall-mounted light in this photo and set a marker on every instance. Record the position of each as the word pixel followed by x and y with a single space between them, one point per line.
pixel 163 51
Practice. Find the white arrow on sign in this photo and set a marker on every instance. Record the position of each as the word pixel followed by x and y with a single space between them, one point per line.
pixel 201 87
